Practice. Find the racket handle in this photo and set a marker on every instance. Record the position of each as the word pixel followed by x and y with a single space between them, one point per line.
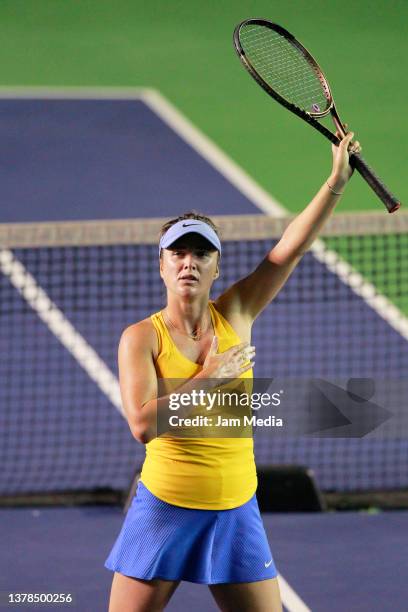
pixel 390 201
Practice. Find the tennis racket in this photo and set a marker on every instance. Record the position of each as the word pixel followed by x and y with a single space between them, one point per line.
pixel 288 73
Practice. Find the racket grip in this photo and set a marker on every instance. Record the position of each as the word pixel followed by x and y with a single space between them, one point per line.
pixel 390 201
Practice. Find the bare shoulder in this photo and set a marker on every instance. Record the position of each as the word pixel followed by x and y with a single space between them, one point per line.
pixel 140 335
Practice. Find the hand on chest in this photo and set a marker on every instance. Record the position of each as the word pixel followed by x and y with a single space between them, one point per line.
pixel 193 350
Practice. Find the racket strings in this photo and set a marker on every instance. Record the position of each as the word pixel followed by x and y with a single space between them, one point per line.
pixel 284 68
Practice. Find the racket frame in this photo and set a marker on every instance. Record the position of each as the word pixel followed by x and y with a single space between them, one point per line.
pixel 356 161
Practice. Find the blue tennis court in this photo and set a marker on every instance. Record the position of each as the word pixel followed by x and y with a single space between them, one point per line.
pixel 337 561
pixel 70 163
pixel 103 159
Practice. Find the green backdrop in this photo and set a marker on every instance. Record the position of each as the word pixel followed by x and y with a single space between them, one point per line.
pixel 184 49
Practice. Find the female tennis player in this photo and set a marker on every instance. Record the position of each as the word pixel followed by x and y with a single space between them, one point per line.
pixel 195 515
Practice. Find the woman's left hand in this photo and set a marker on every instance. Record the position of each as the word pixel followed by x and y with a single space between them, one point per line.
pixel 342 170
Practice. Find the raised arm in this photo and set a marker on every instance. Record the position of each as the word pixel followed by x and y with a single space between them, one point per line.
pixel 250 295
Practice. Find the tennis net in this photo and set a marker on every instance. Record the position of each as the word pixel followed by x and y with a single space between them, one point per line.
pixel 69 289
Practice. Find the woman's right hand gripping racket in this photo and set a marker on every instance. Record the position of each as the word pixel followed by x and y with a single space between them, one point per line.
pixel 288 73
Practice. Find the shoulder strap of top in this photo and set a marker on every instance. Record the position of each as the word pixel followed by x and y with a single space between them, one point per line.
pixel 161 329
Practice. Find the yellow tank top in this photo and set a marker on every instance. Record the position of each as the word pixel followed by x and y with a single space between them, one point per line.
pixel 204 473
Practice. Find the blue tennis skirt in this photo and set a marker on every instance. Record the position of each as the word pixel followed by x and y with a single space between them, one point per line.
pixel 160 540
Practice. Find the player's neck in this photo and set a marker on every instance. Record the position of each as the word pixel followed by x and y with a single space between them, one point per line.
pixel 188 314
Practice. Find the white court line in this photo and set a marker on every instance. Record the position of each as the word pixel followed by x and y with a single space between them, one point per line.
pixel 262 199
pixel 93 365
pixel 290 598
pixel 59 325
pixel 213 155
pixel 52 316
pixel 235 175
pixel 367 291
pixel 73 93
